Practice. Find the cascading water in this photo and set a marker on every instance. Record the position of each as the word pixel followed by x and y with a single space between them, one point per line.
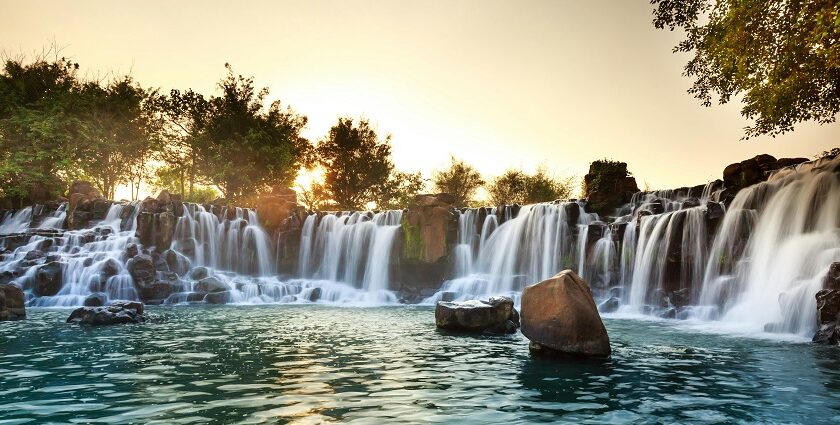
pixel 532 246
pixel 16 222
pixel 350 254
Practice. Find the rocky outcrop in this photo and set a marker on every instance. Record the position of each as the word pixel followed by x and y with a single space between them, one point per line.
pixel 119 312
pixel 48 279
pixel 85 205
pixel 157 218
pixel 607 186
pixel 210 285
pixel 828 315
pixel 559 316
pixel 429 228
pixel 751 171
pixel 11 303
pixel 494 316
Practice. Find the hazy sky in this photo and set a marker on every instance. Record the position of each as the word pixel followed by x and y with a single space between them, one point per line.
pixel 498 83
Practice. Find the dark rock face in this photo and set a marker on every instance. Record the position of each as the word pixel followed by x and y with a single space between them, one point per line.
pixel 117 313
pixel 832 278
pixel 96 299
pixel 155 292
pixel 199 273
pixel 611 305
pixel 608 186
pixel 11 303
pixel 560 316
pixel 314 295
pixel 48 279
pixel 494 316
pixel 828 314
pixel 142 270
pixel 177 262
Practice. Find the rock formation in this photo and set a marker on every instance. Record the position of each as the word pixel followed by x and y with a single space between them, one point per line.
pixel 117 313
pixel 559 316
pixel 11 303
pixel 494 316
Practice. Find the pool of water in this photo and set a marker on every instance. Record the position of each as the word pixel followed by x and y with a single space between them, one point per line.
pixel 311 364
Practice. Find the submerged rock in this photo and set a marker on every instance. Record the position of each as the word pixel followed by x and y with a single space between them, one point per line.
pixel 496 315
pixel 117 313
pixel 610 305
pixel 11 303
pixel 559 316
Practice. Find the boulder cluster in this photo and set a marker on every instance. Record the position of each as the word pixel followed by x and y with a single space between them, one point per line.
pixel 119 312
pixel 11 303
pixel 559 317
pixel 828 308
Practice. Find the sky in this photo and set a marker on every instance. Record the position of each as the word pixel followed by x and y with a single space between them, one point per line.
pixel 500 84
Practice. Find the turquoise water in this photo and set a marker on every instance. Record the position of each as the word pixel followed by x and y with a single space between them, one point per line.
pixel 311 364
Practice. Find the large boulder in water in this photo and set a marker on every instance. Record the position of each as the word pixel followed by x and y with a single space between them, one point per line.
pixel 494 316
pixel 48 279
pixel 559 316
pixel 177 262
pixel 11 303
pixel 115 314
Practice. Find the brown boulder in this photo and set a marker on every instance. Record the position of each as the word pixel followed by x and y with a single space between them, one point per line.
pixel 11 303
pixel 559 316
pixel 426 229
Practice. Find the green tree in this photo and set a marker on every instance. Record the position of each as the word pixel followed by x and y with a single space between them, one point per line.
pixel 39 128
pixel 782 56
pixel 358 165
pixel 399 190
pixel 246 148
pixel 171 179
pixel 117 134
pixel 518 187
pixel 460 180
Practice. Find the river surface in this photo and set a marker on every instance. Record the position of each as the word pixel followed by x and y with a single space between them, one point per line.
pixel 314 364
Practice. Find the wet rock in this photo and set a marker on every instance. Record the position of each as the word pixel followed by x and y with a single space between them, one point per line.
pixel 611 305
pixel 828 314
pixel 218 297
pixel 11 302
pixel 211 284
pixel 119 312
pixel 314 295
pixel 165 230
pixel 97 299
pixel 48 279
pixel 131 251
pixel 447 296
pixel 110 267
pixel 496 315
pixel 155 292
pixel 177 262
pixel 142 270
pixel 35 254
pixel 832 278
pixel 199 273
pixel 559 316
pixel 681 297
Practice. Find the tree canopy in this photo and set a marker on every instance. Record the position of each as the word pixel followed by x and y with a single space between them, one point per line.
pixel 782 57
pixel 518 187
pixel 460 180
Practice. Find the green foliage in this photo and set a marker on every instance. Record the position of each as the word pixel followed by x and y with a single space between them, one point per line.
pixel 602 176
pixel 460 180
pixel 782 57
pixel 171 180
pixel 359 169
pixel 517 187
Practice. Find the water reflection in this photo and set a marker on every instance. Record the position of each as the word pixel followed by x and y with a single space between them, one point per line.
pixel 311 364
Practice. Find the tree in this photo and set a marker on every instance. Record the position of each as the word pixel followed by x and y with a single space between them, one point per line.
pixel 358 165
pixel 517 187
pixel 399 190
pixel 39 128
pixel 313 198
pixel 460 180
pixel 245 147
pixel 117 130
pixel 171 179
pixel 782 56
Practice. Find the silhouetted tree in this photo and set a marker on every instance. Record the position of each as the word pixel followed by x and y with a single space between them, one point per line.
pixel 358 165
pixel 460 180
pixel 782 56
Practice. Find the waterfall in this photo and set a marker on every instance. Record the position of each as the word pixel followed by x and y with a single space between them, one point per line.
pixel 774 246
pixel 531 246
pixel 16 222
pixel 230 241
pixel 56 219
pixel 353 249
